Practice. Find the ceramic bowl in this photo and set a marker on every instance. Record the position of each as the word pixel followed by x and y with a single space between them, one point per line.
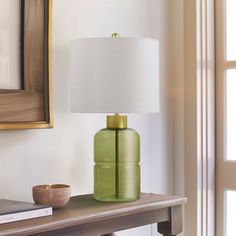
pixel 56 196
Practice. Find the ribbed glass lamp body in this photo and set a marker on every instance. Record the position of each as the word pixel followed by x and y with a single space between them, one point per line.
pixel 117 169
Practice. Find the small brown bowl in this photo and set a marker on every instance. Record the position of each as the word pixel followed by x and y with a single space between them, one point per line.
pixel 56 196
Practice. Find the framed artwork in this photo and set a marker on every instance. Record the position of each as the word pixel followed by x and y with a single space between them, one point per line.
pixel 25 64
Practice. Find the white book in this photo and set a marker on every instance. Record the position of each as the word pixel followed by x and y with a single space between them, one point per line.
pixel 12 211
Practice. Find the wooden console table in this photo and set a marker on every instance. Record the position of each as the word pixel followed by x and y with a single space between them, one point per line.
pixel 84 216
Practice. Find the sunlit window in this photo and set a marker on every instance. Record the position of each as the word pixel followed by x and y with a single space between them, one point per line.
pixel 231 114
pixel 231 29
pixel 230 213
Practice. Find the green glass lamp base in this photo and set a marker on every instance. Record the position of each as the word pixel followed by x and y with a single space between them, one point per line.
pixel 117 169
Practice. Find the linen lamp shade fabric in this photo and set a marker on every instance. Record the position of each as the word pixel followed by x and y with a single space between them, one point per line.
pixel 114 75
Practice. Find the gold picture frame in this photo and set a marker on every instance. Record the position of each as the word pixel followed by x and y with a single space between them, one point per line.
pixel 31 106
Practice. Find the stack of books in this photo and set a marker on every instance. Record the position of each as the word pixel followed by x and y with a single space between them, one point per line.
pixel 11 211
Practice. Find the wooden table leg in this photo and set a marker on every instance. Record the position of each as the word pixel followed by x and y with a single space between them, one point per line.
pixel 175 225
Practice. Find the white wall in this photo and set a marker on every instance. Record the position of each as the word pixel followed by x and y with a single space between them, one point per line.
pixel 65 154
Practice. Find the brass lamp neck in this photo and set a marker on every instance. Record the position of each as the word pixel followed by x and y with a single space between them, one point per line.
pixel 116 122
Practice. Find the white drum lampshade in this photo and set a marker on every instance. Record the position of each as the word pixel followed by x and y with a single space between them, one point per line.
pixel 114 75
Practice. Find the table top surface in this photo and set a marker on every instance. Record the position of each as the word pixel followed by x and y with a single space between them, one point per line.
pixel 84 209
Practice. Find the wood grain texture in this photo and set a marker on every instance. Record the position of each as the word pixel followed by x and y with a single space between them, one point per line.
pixel 107 226
pixel 32 104
pixel 17 106
pixel 86 216
pixel 34 45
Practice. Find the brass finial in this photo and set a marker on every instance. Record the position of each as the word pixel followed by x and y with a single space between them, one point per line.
pixel 115 35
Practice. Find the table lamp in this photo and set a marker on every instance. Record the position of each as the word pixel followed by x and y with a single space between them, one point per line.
pixel 115 75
